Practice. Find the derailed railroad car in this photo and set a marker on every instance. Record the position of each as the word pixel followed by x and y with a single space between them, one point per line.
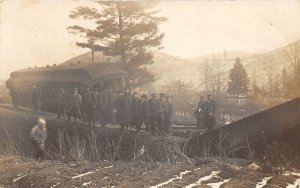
pixel 46 82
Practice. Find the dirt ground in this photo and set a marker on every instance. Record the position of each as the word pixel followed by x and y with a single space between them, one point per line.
pixel 23 172
pixel 18 172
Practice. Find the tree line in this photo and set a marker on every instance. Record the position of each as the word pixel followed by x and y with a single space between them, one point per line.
pixel 126 30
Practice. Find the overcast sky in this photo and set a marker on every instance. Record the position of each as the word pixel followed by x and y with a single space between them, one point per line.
pixel 34 32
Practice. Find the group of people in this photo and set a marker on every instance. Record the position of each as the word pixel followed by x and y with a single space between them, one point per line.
pixel 133 110
pixel 128 109
pixel 85 105
pixel 205 113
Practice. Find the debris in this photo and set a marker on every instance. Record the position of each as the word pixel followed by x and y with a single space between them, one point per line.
pixel 109 166
pixel 74 164
pixel 295 185
pixel 86 183
pixel 18 178
pixel 254 167
pixel 291 173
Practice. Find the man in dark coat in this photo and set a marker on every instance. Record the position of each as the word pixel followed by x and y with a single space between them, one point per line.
pixel 67 103
pixel 109 106
pixel 161 108
pixel 117 106
pixel 61 104
pixel 126 109
pixel 136 112
pixel 153 107
pixel 75 104
pixel 211 109
pixel 201 114
pixel 82 115
pixel 90 106
pixel 168 115
pixel 99 105
pixel 145 112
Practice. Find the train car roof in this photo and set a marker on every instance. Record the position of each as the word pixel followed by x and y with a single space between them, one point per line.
pixel 85 73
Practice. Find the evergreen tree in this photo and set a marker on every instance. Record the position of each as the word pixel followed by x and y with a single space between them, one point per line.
pixel 123 29
pixel 238 79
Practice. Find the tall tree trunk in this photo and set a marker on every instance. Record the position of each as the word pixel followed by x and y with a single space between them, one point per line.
pixel 122 48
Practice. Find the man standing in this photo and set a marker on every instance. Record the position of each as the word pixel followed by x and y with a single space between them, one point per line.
pixel 75 103
pixel 67 103
pixel 99 106
pixel 90 105
pixel 153 107
pixel 168 115
pixel 82 115
pixel 200 114
pixel 109 107
pixel 161 108
pixel 136 112
pixel 61 104
pixel 145 112
pixel 126 109
pixel 117 106
pixel 211 109
pixel 39 136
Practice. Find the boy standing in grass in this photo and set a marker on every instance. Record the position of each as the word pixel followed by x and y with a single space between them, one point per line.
pixel 39 136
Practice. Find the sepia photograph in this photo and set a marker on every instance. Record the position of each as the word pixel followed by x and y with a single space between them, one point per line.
pixel 150 93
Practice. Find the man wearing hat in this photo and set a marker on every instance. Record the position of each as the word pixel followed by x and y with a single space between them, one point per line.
pixel 168 115
pixel 211 109
pixel 201 114
pixel 145 112
pixel 39 136
pixel 61 106
pixel 75 102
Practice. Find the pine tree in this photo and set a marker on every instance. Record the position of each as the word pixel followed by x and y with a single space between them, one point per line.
pixel 238 79
pixel 123 29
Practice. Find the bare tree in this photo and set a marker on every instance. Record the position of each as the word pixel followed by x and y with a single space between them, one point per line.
pixel 293 54
pixel 270 75
pixel 211 76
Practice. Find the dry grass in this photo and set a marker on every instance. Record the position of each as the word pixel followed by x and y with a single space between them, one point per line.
pixel 229 144
pixel 277 158
pixel 9 147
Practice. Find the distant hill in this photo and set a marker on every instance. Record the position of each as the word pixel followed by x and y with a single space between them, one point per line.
pixel 274 60
pixel 169 68
pixel 165 67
